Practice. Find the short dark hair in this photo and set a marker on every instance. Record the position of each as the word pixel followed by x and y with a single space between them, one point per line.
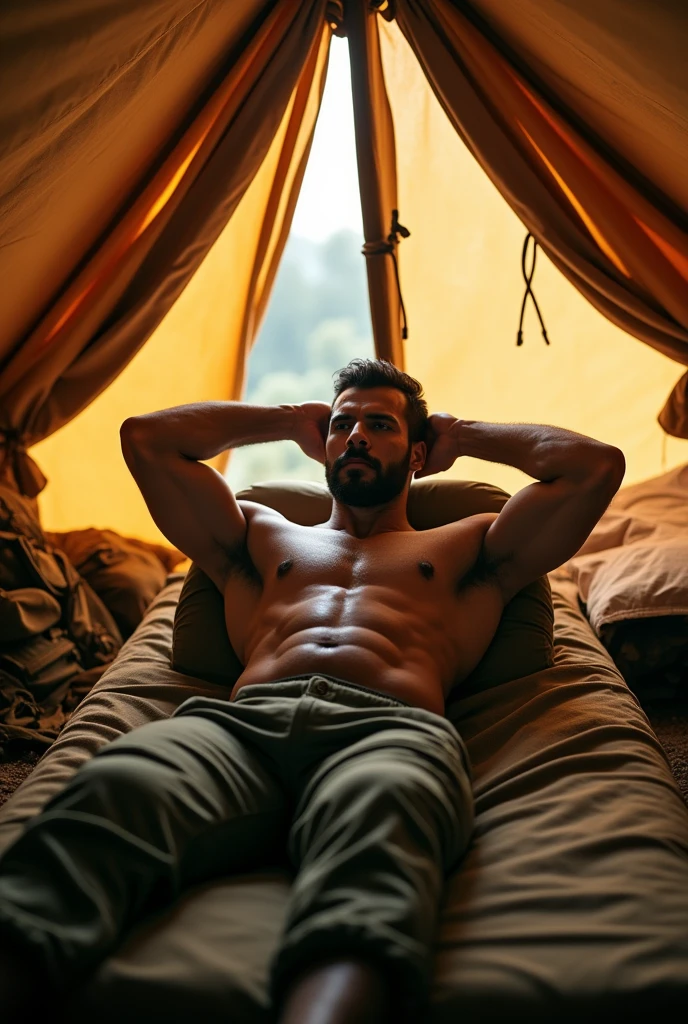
pixel 379 373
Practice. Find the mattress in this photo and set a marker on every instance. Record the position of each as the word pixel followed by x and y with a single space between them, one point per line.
pixel 572 898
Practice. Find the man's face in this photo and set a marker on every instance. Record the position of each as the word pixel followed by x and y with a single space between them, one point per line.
pixel 368 454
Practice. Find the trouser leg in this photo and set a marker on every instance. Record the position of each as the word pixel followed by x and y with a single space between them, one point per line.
pixel 169 805
pixel 373 839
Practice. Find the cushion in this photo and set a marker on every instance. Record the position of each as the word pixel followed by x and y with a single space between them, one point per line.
pixel 522 644
pixel 632 580
pixel 634 564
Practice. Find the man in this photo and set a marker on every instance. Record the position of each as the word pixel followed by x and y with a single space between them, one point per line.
pixel 334 740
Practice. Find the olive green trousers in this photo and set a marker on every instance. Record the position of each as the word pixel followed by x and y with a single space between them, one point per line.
pixel 369 799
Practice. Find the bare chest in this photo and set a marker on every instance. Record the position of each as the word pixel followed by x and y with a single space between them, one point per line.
pixel 401 599
pixel 291 558
pixel 321 573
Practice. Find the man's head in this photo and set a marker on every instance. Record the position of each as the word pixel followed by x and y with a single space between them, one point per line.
pixel 379 417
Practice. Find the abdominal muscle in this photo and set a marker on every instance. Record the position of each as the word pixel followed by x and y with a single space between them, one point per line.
pixel 411 649
pixel 414 683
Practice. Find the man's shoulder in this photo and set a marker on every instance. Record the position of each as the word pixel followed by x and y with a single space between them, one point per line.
pixel 478 523
pixel 254 510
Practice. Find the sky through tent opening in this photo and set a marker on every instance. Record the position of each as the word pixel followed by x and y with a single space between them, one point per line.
pixel 318 317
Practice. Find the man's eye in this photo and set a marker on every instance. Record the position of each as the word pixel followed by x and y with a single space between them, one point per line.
pixel 385 426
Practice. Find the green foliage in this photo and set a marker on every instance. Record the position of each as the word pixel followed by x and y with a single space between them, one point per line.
pixel 318 319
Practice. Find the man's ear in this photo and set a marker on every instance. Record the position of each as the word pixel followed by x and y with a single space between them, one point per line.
pixel 419 453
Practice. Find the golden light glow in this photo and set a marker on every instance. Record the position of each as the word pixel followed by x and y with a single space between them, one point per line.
pixel 165 196
pixel 582 213
pixel 676 258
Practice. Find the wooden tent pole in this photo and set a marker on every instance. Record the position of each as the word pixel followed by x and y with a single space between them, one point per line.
pixel 377 176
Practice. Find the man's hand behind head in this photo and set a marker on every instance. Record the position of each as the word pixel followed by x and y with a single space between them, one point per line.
pixel 442 445
pixel 311 428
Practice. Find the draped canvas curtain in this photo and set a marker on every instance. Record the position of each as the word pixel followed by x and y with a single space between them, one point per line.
pixel 146 141
pixel 622 244
pixel 110 294
pixel 463 289
pixel 198 351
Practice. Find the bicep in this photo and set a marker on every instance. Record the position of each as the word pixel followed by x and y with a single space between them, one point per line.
pixel 543 525
pixel 191 503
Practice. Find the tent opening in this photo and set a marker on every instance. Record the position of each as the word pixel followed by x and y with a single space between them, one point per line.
pixel 318 316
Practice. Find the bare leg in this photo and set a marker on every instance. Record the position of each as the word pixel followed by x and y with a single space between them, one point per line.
pixel 337 992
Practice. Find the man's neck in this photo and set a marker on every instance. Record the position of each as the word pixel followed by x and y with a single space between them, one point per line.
pixel 368 522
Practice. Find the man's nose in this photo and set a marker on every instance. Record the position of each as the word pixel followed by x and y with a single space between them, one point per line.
pixel 357 438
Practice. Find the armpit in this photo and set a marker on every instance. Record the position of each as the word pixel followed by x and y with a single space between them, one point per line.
pixel 483 573
pixel 240 563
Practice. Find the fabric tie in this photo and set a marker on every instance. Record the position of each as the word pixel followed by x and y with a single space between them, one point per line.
pixel 389 247
pixel 528 277
pixel 27 475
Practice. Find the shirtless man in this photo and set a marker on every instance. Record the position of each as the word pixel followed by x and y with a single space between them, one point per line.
pixel 364 600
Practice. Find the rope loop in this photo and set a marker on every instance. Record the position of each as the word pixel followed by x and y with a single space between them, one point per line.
pixel 528 278
pixel 388 248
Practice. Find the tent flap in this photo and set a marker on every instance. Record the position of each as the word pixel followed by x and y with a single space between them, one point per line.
pixel 168 224
pixel 612 242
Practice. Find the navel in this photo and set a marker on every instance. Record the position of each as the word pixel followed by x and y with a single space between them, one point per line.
pixel 284 567
pixel 427 569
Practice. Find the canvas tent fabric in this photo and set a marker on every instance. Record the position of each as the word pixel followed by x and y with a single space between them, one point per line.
pixel 155 146
pixel 134 250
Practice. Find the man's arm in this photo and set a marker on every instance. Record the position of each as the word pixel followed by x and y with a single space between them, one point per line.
pixel 544 524
pixel 192 504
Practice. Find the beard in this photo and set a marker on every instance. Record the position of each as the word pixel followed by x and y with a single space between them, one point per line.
pixel 352 488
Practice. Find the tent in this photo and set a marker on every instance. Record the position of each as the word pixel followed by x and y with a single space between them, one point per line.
pixel 152 154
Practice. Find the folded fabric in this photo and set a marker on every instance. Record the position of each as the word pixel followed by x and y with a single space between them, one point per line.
pixel 125 572
pixel 56 634
pixel 634 564
pixel 26 612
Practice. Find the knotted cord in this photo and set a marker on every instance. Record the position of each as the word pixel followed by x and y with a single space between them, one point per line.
pixel 528 278
pixel 389 247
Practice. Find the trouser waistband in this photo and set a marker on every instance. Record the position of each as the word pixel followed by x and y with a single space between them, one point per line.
pixel 324 686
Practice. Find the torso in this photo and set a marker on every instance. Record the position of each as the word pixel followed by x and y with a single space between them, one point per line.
pixel 404 613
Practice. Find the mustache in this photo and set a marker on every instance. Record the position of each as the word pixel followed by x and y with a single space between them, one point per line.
pixel 355 457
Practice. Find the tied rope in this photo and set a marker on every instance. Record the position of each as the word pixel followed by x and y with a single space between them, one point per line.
pixel 528 278
pixel 389 247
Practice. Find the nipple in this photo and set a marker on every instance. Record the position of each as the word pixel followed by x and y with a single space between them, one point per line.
pixel 427 569
pixel 284 567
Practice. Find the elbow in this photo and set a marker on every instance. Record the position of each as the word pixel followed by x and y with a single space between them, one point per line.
pixel 128 427
pixel 617 462
pixel 611 468
pixel 133 430
pixel 134 437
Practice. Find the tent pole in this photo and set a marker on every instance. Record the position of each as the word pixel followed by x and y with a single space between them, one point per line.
pixel 377 176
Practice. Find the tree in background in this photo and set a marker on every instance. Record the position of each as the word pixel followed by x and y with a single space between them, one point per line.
pixel 318 319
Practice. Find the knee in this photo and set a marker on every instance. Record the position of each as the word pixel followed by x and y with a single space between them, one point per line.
pixel 117 780
pixel 401 790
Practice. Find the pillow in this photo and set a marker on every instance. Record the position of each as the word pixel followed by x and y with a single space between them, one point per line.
pixel 634 564
pixel 637 581
pixel 632 579
pixel 522 644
